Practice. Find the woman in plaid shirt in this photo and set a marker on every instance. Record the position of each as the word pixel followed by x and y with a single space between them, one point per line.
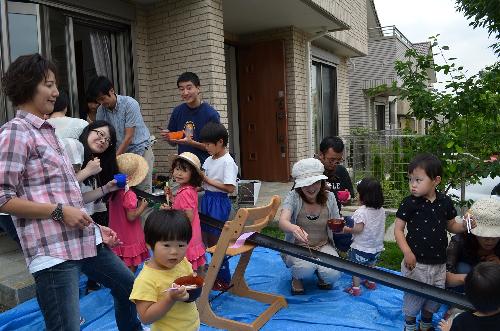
pixel 39 188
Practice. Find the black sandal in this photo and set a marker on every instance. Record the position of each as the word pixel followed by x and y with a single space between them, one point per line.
pixel 297 289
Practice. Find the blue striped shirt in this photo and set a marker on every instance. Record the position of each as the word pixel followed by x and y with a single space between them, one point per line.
pixel 126 114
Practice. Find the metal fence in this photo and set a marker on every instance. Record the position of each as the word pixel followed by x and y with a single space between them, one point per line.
pixel 383 155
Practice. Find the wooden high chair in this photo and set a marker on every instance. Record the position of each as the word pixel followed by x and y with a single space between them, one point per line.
pixel 246 220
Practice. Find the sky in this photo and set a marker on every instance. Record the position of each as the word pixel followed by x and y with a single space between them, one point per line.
pixel 418 20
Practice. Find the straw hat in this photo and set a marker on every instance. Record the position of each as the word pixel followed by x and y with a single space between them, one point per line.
pixel 134 166
pixel 192 159
pixel 307 172
pixel 486 212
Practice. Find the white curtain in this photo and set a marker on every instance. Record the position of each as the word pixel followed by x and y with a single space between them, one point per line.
pixel 101 51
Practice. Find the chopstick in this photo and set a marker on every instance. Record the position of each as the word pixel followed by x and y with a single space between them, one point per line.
pixel 307 243
pixel 468 223
pixel 188 287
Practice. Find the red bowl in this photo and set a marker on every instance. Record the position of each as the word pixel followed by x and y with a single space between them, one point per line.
pixel 191 280
pixel 336 224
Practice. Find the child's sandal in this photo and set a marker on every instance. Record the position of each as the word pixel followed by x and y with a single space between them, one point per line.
pixel 297 287
pixel 354 291
pixel 369 285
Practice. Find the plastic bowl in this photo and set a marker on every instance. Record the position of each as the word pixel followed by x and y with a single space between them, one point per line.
pixel 336 224
pixel 191 280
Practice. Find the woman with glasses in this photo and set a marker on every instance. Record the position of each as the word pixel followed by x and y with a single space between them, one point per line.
pixel 99 141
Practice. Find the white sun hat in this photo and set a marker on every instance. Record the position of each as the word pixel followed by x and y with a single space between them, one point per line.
pixel 307 172
pixel 486 212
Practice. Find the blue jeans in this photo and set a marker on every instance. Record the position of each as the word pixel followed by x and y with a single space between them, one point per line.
pixel 462 268
pixel 57 290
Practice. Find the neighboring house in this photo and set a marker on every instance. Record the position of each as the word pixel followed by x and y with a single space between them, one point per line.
pixel 277 70
pixel 384 111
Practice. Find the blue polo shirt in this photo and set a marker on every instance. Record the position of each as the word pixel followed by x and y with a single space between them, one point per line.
pixel 126 114
pixel 198 117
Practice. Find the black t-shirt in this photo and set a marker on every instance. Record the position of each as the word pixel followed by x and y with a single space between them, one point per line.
pixel 339 180
pixel 467 321
pixel 426 223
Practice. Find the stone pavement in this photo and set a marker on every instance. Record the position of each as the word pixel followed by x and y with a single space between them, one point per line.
pixel 16 284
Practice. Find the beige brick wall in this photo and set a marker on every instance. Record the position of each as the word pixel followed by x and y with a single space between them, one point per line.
pixel 173 37
pixel 353 12
pixel 343 97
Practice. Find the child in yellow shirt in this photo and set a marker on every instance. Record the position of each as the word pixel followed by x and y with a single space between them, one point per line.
pixel 167 233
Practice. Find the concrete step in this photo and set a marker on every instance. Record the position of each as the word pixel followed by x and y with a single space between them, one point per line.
pixel 16 283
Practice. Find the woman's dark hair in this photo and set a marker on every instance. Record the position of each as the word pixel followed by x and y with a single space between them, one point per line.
pixel 322 196
pixel 61 103
pixel 167 225
pixel 429 163
pixel 196 180
pixel 370 193
pixel 108 157
pixel 213 132
pixel 471 247
pixel 482 287
pixel 20 81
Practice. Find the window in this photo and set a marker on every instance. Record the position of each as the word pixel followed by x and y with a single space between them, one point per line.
pixel 23 29
pixel 380 115
pixel 324 101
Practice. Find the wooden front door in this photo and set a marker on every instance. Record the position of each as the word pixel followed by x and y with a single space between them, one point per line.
pixel 263 111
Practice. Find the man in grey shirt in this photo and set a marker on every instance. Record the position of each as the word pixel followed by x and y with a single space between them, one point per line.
pixel 124 114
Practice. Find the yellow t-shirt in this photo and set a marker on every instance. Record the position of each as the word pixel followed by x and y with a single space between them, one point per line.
pixel 149 286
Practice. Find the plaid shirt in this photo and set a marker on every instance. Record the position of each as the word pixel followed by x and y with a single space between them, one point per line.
pixel 34 167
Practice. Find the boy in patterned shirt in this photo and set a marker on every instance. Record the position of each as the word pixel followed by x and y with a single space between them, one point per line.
pixel 427 214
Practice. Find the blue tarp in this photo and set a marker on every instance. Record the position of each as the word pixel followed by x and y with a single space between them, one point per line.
pixel 317 310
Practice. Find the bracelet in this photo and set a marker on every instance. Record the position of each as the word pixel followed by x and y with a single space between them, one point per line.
pixel 103 191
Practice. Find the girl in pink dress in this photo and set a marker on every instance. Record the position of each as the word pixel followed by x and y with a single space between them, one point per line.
pixel 125 212
pixel 186 171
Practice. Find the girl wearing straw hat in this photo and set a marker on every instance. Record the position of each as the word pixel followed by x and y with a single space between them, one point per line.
pixel 186 171
pixel 125 212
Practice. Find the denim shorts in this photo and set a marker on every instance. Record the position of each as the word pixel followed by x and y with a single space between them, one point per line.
pixel 362 257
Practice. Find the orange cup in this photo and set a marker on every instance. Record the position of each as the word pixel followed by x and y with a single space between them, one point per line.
pixel 175 135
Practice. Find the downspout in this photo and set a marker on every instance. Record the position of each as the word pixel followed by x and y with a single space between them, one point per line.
pixel 309 85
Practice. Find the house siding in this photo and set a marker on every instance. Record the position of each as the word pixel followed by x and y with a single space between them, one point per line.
pixel 378 64
pixel 354 13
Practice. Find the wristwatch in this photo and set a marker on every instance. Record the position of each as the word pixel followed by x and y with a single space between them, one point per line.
pixel 57 215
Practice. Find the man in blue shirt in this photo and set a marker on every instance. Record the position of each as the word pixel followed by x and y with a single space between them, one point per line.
pixel 124 114
pixel 190 116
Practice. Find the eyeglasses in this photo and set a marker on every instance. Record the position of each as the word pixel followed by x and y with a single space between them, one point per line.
pixel 102 135
pixel 335 160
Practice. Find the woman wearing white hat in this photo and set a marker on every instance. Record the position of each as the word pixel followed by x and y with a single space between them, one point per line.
pixel 304 216
pixel 482 244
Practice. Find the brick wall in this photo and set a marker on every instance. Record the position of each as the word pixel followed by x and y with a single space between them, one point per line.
pixel 173 37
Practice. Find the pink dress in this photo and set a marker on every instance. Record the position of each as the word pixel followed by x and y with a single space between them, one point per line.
pixel 133 251
pixel 187 199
